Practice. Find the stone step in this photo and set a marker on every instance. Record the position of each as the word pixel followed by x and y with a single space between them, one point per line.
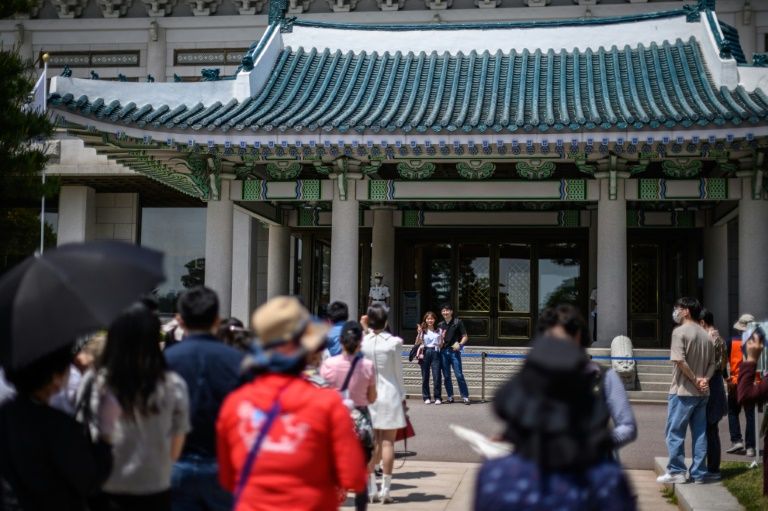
pixel 654 378
pixel 654 386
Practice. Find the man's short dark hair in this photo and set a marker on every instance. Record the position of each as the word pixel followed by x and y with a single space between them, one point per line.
pixel 377 316
pixel 691 304
pixel 338 311
pixel 566 316
pixel 445 306
pixel 706 316
pixel 198 308
pixel 38 374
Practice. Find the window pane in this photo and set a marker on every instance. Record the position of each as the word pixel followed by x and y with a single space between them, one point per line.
pixel 474 277
pixel 180 234
pixel 559 272
pixel 514 278
pixel 440 274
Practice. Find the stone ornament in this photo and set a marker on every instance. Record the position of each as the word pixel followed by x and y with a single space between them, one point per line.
pixel 342 5
pixel 298 6
pixel 159 7
pixel 283 170
pixel 681 168
pixel 249 6
pixel 621 347
pixel 535 169
pixel 68 9
pixel 475 169
pixel 537 3
pixel 438 5
pixel 204 7
pixel 390 5
pixel 487 4
pixel 415 169
pixel 114 8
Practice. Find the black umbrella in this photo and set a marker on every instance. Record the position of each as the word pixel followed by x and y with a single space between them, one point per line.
pixel 47 301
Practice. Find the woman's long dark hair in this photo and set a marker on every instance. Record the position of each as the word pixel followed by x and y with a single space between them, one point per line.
pixel 351 336
pixel 133 361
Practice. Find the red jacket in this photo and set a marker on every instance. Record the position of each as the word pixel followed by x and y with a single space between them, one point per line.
pixel 310 451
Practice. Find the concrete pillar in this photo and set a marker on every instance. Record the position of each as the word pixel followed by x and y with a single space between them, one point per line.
pixel 383 252
pixel 262 258
pixel 278 260
pixel 24 42
pixel 716 275
pixel 218 248
pixel 611 264
pixel 156 52
pixel 345 237
pixel 77 214
pixel 753 247
pixel 244 265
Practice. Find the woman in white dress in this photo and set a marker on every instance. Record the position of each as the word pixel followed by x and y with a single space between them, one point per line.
pixel 387 412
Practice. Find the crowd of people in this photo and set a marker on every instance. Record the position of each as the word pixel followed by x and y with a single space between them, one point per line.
pixel 697 397
pixel 295 412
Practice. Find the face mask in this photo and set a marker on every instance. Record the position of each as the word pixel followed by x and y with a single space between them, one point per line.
pixel 677 316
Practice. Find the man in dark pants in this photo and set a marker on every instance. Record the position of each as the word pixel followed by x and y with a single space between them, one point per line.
pixel 211 370
pixel 454 338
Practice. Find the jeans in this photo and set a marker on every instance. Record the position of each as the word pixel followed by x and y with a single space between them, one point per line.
pixel 451 358
pixel 195 486
pixel 734 425
pixel 682 412
pixel 431 363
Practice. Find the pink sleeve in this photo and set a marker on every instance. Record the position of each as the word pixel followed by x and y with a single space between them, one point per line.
pixel 326 371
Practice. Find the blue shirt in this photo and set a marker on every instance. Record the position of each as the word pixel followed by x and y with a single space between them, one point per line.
pixel 334 339
pixel 516 483
pixel 211 370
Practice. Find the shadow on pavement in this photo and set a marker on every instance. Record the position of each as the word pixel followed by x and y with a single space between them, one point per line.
pixel 420 497
pixel 414 475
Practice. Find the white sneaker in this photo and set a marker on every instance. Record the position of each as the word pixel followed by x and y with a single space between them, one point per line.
pixel 750 452
pixel 438 402
pixel 735 447
pixel 671 478
pixel 385 497
pixel 427 401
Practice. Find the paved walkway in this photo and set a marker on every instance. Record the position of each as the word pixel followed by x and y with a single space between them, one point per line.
pixel 445 486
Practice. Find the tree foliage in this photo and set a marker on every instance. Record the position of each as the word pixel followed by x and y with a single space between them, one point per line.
pixel 22 151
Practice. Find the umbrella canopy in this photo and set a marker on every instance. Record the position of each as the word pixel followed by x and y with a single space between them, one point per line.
pixel 47 301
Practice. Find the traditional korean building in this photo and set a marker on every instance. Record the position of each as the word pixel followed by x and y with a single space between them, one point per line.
pixel 500 166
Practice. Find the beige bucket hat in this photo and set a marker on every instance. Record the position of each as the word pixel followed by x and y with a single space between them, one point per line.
pixel 743 322
pixel 283 319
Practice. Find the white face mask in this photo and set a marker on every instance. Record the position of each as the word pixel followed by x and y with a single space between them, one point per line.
pixel 677 316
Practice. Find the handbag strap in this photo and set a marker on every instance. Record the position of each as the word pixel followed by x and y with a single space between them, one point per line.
pixel 349 373
pixel 272 414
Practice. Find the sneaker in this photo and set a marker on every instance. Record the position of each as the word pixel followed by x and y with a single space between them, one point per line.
pixel 712 476
pixel 385 497
pixel 449 400
pixel 427 401
pixel 671 478
pixel 750 452
pixel 735 447
pixel 466 400
pixel 437 401
pixel 700 481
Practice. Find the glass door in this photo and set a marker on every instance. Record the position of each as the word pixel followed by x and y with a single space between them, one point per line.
pixel 474 290
pixel 514 321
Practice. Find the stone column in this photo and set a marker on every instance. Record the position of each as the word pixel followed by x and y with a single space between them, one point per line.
pixel 218 248
pixel 611 262
pixel 77 214
pixel 244 265
pixel 278 259
pixel 716 275
pixel 345 236
pixel 753 247
pixel 383 252
pixel 156 52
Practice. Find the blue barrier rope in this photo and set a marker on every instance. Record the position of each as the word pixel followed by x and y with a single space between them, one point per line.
pixel 522 357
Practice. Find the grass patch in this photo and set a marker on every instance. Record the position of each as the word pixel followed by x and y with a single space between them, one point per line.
pixel 746 484
pixel 669 495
